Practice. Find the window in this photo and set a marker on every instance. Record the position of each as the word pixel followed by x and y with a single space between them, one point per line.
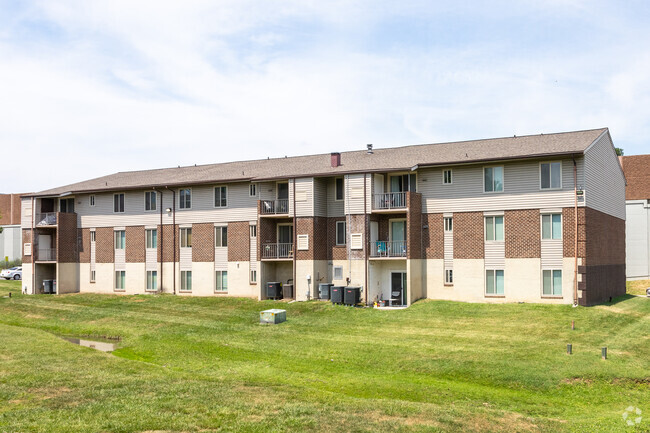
pixel 186 281
pixel 151 236
pixel 93 236
pixel 185 198
pixel 221 196
pixel 91 200
pixel 253 278
pixel 493 179
pixel 222 281
pixel 120 280
pixel 340 233
pixel 221 236
pixel 403 183
pixel 118 203
pixel 494 228
pixel 449 224
pixel 120 239
pixel 66 205
pixel 550 174
pixel 446 177
pixel 252 190
pixel 150 200
pixel 339 188
pixel 92 276
pixel 552 226
pixel 494 282
pixel 449 276
pixel 186 237
pixel 253 230
pixel 552 283
pixel 152 280
pixel 338 272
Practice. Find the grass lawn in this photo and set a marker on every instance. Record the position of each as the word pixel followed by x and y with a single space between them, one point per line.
pixel 637 287
pixel 205 364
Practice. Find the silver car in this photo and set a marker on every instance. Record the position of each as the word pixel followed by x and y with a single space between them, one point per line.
pixel 15 273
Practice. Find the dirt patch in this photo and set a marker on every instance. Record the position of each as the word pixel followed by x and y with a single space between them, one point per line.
pixel 34 316
pixel 577 381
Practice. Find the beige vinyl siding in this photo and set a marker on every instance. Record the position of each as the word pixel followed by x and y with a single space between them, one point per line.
pixel 253 248
pixel 552 253
pixel 93 255
pixel 604 180
pixel 448 249
pixel 320 197
pixel 335 208
pixel 354 194
pixel 26 213
pixel 221 258
pixel 305 197
pixel 290 207
pixel 266 191
pixel 369 188
pixel 521 188
pixel 495 255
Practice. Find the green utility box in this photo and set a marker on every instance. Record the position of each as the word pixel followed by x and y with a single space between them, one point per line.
pixel 273 316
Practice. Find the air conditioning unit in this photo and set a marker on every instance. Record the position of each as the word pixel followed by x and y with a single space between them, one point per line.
pixel 324 290
pixel 352 295
pixel 337 294
pixel 274 290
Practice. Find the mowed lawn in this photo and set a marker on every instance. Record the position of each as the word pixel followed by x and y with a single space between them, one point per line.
pixel 205 364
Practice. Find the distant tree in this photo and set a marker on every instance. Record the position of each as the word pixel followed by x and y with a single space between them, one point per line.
pixel 619 151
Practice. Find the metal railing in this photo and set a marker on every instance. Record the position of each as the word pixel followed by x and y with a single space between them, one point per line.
pixel 46 254
pixel 272 207
pixel 389 200
pixel 388 249
pixel 46 219
pixel 277 251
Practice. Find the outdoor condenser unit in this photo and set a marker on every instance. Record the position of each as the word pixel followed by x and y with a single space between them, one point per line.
pixel 337 294
pixel 352 295
pixel 274 290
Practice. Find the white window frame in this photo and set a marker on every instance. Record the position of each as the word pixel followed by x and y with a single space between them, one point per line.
pixel 336 180
pixel 541 226
pixel 550 177
pixel 337 270
pixel 449 224
pixel 122 243
pixel 147 237
pixel 93 236
pixel 444 176
pixel 223 189
pixel 252 276
pixel 183 232
pixel 184 280
pixel 123 202
pixel 180 203
pixel 253 230
pixel 115 285
pixel 93 275
pixel 155 195
pixel 220 230
pixel 218 279
pixel 147 280
pixel 494 227
pixel 449 277
pixel 252 190
pixel 552 271
pixel 91 200
pixel 494 276
pixel 503 180
pixel 336 234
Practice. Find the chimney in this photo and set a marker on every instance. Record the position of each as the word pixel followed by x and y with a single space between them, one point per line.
pixel 336 159
pixel 369 148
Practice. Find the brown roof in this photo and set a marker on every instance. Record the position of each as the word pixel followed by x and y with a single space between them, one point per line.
pixel 390 159
pixel 637 173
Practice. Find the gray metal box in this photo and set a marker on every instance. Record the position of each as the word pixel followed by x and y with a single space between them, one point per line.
pixel 273 316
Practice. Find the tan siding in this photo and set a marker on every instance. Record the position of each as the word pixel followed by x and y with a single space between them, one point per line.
pixel 604 180
pixel 186 259
pixel 151 259
pixel 354 194
pixel 495 255
pixel 221 258
pixel 334 208
pixel 552 253
pixel 266 190
pixel 305 196
pixel 448 248
pixel 320 197
pixel 26 213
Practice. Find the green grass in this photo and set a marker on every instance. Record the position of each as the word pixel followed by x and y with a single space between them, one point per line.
pixel 205 364
pixel 637 287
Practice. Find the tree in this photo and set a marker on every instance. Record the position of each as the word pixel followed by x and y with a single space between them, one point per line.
pixel 619 151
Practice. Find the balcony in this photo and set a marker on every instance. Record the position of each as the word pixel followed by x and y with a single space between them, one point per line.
pixel 45 255
pixel 274 207
pixel 388 249
pixel 47 219
pixel 277 251
pixel 389 201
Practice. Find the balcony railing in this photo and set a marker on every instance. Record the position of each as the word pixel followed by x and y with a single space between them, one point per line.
pixel 389 200
pixel 273 207
pixel 388 249
pixel 46 254
pixel 277 251
pixel 46 219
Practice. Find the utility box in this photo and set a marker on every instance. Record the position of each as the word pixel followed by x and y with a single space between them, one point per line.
pixel 273 316
pixel 324 290
pixel 352 295
pixel 337 294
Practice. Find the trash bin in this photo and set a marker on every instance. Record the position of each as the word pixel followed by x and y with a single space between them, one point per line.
pixel 337 294
pixel 352 295
pixel 324 290
pixel 287 291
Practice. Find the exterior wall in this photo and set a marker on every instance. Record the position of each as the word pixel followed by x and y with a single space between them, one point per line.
pixel 604 179
pixel 67 238
pixel 468 235
pixel 10 209
pixel 637 239
pixel 304 197
pixel 320 197
pixel 67 278
pixel 522 233
pixel 10 243
pixel 379 283
pixel 355 193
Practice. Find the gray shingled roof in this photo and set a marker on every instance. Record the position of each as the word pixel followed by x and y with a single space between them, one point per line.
pixel 396 158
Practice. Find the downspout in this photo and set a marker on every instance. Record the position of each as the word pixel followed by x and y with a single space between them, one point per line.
pixel 365 238
pixel 295 242
pixel 575 245
pixel 32 255
pixel 174 231
pixel 348 247
pixel 160 240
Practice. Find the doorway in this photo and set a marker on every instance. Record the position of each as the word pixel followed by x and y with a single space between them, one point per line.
pixel 398 286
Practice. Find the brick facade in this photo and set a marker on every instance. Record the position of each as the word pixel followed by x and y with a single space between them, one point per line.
pixel 468 235
pixel 316 229
pixel 637 176
pixel 104 245
pixel 433 238
pixel 135 244
pixel 335 252
pixel 267 232
pixel 166 248
pixel 67 241
pixel 522 233
pixel 414 225
pixel 568 232
pixel 203 242
pixel 84 251
pixel 9 209
pixel 239 245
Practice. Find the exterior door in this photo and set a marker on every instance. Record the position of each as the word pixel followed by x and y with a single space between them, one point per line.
pixel 398 286
pixel 283 191
pixel 398 238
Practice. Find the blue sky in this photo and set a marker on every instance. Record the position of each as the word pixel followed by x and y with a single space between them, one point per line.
pixel 92 88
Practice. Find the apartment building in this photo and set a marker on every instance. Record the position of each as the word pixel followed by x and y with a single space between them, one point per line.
pixel 637 204
pixel 520 219
pixel 10 230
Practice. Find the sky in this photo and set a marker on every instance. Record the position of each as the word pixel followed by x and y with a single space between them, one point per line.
pixel 89 88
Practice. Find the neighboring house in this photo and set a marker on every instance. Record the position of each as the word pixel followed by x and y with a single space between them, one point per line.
pixel 484 221
pixel 637 224
pixel 10 238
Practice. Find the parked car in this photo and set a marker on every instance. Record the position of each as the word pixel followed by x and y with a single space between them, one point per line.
pixel 15 273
